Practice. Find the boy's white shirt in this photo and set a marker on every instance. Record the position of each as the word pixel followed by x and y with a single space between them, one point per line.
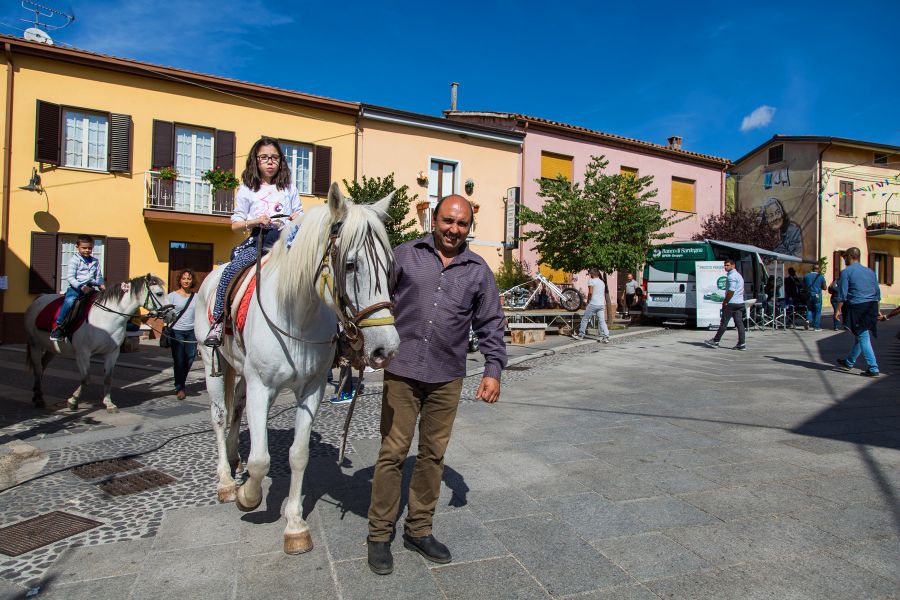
pixel 84 272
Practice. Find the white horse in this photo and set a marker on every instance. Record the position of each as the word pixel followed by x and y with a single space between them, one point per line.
pixel 101 334
pixel 336 270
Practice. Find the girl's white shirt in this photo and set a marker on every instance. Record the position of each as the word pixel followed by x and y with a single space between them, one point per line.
pixel 269 200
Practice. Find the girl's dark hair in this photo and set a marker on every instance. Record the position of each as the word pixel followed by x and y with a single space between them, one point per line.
pixel 251 176
pixel 193 277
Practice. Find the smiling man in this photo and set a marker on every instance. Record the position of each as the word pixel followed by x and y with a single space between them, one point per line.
pixel 440 288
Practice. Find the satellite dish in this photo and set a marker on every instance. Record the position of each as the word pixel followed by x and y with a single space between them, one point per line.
pixel 33 34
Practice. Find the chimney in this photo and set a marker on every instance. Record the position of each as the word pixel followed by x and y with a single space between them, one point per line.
pixel 453 87
pixel 675 142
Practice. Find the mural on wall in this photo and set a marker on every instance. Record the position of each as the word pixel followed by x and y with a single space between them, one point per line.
pixel 789 208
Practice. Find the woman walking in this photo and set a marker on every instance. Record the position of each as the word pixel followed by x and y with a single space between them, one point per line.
pixel 182 339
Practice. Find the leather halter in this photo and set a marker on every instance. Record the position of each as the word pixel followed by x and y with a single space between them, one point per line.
pixel 154 307
pixel 353 321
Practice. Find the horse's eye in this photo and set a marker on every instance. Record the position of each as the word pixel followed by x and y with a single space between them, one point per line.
pixel 351 266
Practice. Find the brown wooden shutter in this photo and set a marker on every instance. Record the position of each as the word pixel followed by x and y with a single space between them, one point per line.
pixel 48 133
pixel 117 254
pixel 163 153
pixel 42 271
pixel 888 270
pixel 119 143
pixel 870 261
pixel 835 264
pixel 321 170
pixel 225 147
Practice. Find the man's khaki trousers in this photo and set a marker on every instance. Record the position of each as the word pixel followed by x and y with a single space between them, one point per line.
pixel 402 401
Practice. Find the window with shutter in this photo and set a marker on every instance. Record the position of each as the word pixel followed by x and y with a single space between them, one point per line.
pixel 85 140
pixel 67 249
pixel 845 204
pixel 120 132
pixel 48 141
pixel 321 170
pixel 682 194
pixel 223 202
pixel 118 255
pixel 776 154
pixel 299 162
pixel 163 151
pixel 42 270
pixel 554 165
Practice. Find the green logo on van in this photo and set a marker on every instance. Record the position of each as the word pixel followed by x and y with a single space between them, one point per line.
pixel 722 283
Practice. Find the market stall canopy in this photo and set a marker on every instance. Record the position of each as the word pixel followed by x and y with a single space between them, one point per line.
pixel 761 252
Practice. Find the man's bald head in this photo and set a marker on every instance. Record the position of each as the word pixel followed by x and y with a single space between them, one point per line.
pixel 455 198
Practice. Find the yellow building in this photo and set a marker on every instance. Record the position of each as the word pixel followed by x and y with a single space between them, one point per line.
pixel 98 129
pixel 437 157
pixel 827 194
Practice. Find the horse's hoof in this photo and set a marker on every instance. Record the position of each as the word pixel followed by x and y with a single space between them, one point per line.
pixel 241 501
pixel 227 494
pixel 72 404
pixel 297 543
pixel 111 408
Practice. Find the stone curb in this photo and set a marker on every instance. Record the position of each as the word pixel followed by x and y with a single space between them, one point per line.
pixel 551 351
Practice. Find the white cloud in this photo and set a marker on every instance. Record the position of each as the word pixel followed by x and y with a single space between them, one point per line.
pixel 760 117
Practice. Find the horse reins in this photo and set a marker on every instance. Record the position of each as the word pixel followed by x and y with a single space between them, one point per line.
pixel 157 310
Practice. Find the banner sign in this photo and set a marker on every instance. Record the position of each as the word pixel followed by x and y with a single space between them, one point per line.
pixel 673 252
pixel 511 237
pixel 711 284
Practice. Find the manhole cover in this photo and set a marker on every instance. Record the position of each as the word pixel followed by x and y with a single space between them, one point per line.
pixel 136 482
pixel 31 534
pixel 105 468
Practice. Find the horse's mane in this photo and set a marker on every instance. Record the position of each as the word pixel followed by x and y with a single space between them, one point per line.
pixel 114 294
pixel 298 265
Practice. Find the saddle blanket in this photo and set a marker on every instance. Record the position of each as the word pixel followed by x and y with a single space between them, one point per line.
pixel 47 317
pixel 245 285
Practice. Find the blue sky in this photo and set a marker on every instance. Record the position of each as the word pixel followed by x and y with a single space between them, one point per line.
pixel 724 76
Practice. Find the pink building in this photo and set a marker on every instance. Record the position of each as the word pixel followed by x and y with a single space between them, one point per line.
pixel 686 182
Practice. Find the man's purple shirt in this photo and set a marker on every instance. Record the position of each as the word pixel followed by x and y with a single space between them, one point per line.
pixel 434 306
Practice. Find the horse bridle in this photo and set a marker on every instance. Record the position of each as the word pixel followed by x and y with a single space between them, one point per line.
pixel 157 310
pixel 352 321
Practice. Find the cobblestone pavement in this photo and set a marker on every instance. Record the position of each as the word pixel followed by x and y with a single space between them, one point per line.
pixel 651 467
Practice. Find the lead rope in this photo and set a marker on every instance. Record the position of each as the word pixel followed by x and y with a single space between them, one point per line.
pixel 359 385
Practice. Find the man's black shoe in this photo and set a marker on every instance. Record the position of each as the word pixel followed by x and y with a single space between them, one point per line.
pixel 381 561
pixel 428 547
pixel 843 365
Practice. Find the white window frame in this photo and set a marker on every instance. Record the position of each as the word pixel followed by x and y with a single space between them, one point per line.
pixel 84 159
pixel 433 200
pixel 193 175
pixel 66 248
pixel 293 159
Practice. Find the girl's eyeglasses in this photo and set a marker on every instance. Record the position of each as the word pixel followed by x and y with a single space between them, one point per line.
pixel 264 158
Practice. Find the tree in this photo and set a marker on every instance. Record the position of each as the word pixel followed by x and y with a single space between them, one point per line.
pixel 740 226
pixel 608 223
pixel 730 200
pixel 373 189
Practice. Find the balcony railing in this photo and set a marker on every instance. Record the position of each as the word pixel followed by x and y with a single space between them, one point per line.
pixel 187 194
pixel 883 220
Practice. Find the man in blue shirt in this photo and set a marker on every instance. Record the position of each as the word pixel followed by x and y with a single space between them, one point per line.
pixel 732 307
pixel 857 308
pixel 815 285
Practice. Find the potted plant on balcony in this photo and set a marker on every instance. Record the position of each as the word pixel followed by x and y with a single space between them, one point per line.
pixel 470 186
pixel 168 174
pixel 220 179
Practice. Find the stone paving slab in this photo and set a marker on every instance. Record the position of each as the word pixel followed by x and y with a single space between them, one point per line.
pixel 655 485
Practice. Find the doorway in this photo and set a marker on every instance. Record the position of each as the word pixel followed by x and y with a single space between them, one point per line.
pixel 189 255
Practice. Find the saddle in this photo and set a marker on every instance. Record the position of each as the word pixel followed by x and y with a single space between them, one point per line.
pixel 237 298
pixel 75 319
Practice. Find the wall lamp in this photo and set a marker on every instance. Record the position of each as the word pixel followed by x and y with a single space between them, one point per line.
pixel 34 184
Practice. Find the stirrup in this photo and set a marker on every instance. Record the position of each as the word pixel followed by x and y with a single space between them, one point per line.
pixel 214 337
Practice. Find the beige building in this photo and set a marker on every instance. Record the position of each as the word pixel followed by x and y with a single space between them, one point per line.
pixel 436 157
pixel 826 194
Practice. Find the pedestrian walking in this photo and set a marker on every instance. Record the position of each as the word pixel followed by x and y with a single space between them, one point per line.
pixel 833 292
pixel 815 285
pixel 181 331
pixel 857 308
pixel 440 288
pixel 629 291
pixel 732 306
pixel 596 306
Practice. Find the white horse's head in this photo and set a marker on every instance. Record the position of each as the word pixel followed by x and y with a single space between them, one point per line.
pixel 147 291
pixel 342 256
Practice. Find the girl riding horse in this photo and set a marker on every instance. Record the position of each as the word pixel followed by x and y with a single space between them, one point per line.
pixel 266 190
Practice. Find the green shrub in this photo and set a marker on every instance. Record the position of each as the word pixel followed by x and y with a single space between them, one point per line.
pixel 512 273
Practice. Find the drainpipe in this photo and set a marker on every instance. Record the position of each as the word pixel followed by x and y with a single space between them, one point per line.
pixel 356 146
pixel 7 166
pixel 722 190
pixel 821 200
pixel 522 190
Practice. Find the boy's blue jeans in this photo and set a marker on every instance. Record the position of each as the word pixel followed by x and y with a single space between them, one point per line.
pixel 71 296
pixel 863 346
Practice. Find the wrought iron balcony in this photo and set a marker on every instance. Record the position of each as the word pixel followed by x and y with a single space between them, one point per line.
pixel 186 194
pixel 883 223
